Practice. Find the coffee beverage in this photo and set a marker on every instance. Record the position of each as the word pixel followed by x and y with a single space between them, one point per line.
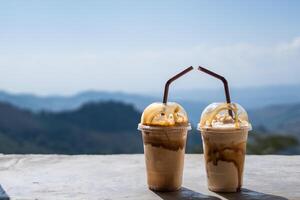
pixel 164 128
pixel 224 137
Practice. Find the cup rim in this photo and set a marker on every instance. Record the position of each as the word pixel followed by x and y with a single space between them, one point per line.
pixel 232 130
pixel 171 128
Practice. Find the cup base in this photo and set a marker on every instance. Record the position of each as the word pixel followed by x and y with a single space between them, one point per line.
pixel 224 190
pixel 163 189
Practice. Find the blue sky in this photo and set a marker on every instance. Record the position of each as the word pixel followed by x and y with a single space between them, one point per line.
pixel 62 47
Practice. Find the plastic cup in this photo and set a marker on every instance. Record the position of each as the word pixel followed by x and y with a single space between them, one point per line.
pixel 224 143
pixel 224 154
pixel 164 149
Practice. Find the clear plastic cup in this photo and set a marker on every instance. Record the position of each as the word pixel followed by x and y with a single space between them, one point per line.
pixel 224 149
pixel 164 149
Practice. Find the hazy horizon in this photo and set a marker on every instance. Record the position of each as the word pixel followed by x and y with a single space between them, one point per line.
pixel 157 93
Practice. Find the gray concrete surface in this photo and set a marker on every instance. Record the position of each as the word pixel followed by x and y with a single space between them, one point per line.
pixel 123 177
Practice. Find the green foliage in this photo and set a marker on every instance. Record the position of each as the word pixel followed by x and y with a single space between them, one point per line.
pixel 258 143
pixel 272 144
pixel 194 141
pixel 95 128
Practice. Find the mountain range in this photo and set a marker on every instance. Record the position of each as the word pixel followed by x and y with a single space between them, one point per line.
pixel 283 119
pixel 103 128
pixel 194 101
pixel 271 109
pixel 94 128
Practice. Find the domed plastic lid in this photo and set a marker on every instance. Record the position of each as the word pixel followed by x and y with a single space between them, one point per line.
pixel 164 114
pixel 224 116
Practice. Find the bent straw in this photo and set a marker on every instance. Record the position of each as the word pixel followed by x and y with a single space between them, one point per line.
pixel 225 83
pixel 166 91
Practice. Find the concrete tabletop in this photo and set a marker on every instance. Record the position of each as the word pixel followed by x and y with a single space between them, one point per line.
pixel 123 177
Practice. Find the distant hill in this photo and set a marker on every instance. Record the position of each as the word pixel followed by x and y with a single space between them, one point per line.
pixel 283 119
pixel 194 101
pixel 95 128
pixel 250 98
pixel 111 127
pixel 61 103
pixel 105 128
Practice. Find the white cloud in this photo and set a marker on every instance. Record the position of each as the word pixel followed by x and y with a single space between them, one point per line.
pixel 291 46
pixel 146 70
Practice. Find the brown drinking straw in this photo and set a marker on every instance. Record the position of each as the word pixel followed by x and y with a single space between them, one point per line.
pixel 166 92
pixel 225 83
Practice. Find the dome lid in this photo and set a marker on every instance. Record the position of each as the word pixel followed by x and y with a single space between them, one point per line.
pixel 224 116
pixel 164 114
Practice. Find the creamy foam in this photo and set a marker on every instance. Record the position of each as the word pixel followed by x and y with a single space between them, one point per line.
pixel 216 116
pixel 160 114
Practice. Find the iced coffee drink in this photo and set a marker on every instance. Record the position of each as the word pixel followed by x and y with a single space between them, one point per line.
pixel 224 128
pixel 224 142
pixel 164 126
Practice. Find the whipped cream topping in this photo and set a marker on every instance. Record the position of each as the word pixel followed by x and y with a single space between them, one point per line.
pixel 217 116
pixel 160 114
